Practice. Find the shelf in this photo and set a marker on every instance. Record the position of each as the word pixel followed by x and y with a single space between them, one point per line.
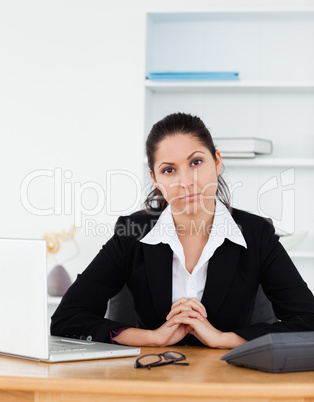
pixel 301 254
pixel 54 300
pixel 227 86
pixel 230 14
pixel 269 162
pixel 265 162
pixel 304 250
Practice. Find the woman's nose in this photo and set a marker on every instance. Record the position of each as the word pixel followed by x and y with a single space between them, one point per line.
pixel 188 178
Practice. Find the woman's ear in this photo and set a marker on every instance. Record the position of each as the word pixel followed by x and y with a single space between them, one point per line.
pixel 153 178
pixel 218 162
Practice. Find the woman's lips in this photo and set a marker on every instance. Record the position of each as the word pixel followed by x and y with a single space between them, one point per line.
pixel 190 197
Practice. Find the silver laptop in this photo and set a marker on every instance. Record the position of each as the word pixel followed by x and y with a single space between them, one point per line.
pixel 23 310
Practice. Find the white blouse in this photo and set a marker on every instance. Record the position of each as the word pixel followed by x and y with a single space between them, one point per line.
pixel 185 284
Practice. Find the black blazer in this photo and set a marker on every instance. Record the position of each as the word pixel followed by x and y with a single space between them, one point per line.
pixel 233 276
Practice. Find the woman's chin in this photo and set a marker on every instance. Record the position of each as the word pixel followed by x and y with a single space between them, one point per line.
pixel 194 208
pixel 189 209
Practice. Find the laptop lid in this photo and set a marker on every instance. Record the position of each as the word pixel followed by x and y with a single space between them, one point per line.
pixel 23 298
pixel 23 310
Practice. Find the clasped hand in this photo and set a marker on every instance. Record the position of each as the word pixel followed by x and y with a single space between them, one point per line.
pixel 187 316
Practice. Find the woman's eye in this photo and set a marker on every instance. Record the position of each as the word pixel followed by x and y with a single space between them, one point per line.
pixel 196 162
pixel 168 170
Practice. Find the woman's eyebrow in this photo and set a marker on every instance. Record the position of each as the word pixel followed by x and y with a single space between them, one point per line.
pixel 167 163
pixel 189 157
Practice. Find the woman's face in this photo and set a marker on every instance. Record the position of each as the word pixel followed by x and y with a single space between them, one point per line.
pixel 186 174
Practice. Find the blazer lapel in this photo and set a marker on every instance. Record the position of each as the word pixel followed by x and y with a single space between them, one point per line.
pixel 158 263
pixel 221 269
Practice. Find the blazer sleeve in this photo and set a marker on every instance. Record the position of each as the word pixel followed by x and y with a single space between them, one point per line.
pixel 83 307
pixel 292 301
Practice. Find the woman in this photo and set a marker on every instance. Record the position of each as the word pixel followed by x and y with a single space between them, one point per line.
pixel 192 263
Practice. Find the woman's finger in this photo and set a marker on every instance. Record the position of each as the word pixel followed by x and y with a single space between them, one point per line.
pixel 184 308
pixel 186 313
pixel 183 319
pixel 178 302
pixel 193 304
pixel 191 301
pixel 198 303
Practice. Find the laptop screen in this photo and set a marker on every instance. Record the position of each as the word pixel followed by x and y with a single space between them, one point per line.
pixel 23 298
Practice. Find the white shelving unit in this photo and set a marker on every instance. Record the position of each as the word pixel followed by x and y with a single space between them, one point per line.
pixel 261 86
pixel 270 162
pixel 274 99
pixel 54 300
pixel 301 254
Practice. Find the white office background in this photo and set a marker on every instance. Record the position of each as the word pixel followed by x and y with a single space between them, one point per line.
pixel 72 114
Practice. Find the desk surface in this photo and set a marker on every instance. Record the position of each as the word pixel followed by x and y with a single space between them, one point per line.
pixel 116 379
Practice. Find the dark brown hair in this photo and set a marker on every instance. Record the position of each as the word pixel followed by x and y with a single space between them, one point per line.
pixel 179 123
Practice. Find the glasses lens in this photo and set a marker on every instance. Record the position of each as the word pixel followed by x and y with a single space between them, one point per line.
pixel 149 359
pixel 173 356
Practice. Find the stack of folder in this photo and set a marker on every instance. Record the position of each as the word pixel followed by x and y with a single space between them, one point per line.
pixel 193 76
pixel 242 147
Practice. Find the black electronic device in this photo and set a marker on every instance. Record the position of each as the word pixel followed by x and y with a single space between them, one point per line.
pixel 275 353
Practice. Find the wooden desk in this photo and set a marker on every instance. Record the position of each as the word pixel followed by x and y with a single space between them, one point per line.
pixel 207 378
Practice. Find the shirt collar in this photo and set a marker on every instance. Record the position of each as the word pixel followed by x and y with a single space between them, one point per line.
pixel 164 230
pixel 224 227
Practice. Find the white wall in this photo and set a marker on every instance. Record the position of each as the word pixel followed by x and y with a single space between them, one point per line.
pixel 71 99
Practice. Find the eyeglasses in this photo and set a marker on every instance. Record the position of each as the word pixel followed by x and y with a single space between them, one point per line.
pixel 153 360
